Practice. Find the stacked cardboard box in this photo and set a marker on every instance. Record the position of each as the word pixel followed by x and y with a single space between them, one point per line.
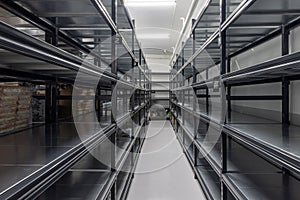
pixel 15 102
pixel 83 106
pixel 65 106
pixel 80 106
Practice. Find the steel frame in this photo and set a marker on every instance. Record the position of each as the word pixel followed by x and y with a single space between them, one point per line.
pixel 50 52
pixel 281 70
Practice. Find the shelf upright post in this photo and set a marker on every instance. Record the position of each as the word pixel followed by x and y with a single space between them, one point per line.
pixel 206 88
pixel 100 107
pixel 285 32
pixel 150 87
pixel 133 64
pixel 97 62
pixel 285 41
pixel 54 100
pixel 134 116
pixel 170 88
pixel 114 71
pixel 223 94
pixel 229 108
pixel 182 84
pixel 48 102
pixel 55 89
pixel 145 92
pixel 207 95
pixel 176 86
pixel 285 98
pixel 51 104
pixel 140 85
pixel 113 58
pixel 55 33
pixel 195 93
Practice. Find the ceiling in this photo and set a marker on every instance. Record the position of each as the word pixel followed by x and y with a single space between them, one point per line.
pixel 158 27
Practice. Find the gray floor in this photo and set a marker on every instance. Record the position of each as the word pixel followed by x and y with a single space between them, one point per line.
pixel 163 172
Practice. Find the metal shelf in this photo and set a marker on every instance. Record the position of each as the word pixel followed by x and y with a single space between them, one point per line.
pixel 266 186
pixel 93 187
pixel 208 179
pixel 48 43
pixel 220 33
pixel 44 153
pixel 77 184
pixel 245 27
pixel 273 70
pixel 272 140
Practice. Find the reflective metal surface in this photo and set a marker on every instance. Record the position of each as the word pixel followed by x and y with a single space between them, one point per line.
pixel 34 148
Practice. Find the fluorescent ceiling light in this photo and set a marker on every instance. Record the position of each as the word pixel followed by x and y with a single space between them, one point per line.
pixel 88 40
pixel 149 3
pixel 153 36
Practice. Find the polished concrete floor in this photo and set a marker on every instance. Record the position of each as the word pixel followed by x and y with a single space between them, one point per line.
pixel 163 172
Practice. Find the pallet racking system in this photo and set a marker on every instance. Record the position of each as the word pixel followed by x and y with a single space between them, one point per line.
pixel 45 45
pixel 237 155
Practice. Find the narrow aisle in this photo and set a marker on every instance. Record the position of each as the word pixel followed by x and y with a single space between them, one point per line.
pixel 163 171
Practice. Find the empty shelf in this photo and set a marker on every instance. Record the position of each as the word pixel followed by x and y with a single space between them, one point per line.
pixel 77 185
pixel 263 186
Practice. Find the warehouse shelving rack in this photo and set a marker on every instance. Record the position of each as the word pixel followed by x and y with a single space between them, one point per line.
pixel 160 89
pixel 48 43
pixel 237 155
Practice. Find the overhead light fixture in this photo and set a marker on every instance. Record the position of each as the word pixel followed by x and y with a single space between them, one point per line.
pixel 149 3
pixel 88 40
pixel 153 36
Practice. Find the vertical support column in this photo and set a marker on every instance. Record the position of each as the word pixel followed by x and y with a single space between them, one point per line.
pixel 113 64
pixel 100 107
pixel 196 151
pixel 48 37
pixel 285 101
pixel 140 84
pixel 54 100
pixel 285 83
pixel 133 65
pixel 97 62
pixel 224 191
pixel 182 83
pixel 51 102
pixel 145 93
pixel 285 33
pixel 48 102
pixel 55 33
pixel 229 108
pixel 223 93
pixel 133 99
pixel 113 100
pixel 207 95
pixel 113 190
pixel 51 37
pixel 150 87
pixel 170 94
pixel 193 52
pixel 177 91
pixel 223 37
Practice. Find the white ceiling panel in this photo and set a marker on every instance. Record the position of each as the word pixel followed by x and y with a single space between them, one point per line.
pixel 163 23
